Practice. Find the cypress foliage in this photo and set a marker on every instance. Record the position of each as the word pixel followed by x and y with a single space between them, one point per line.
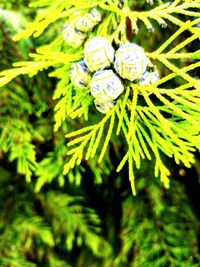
pixel 82 188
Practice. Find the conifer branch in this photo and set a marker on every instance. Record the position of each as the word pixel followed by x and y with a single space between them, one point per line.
pixel 158 133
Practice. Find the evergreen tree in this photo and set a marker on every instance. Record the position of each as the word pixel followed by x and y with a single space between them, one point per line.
pixel 78 150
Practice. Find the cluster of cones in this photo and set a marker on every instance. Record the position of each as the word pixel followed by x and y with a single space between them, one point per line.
pixel 103 70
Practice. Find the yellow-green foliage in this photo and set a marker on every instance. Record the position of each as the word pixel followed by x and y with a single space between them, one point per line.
pixel 166 121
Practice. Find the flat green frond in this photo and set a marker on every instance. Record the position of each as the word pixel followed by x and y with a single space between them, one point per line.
pixel 176 110
pixel 26 160
pixel 31 69
pixel 184 27
pixel 54 162
pixel 16 262
pixel 131 174
pixel 181 73
pixel 16 141
pixel 154 239
pixel 142 143
pixel 155 143
pixel 34 226
pixel 79 223
pixel 91 139
pixel 108 137
pixel 52 12
pixel 80 106
pixel 122 107
pixel 133 107
pixel 163 13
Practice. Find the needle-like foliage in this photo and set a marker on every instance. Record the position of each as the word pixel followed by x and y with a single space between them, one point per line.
pixel 152 120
